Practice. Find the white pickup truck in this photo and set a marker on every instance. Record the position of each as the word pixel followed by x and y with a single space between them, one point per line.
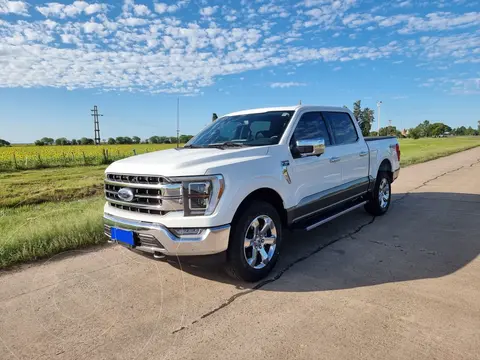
pixel 243 179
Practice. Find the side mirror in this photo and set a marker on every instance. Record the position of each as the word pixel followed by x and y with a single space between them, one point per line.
pixel 311 147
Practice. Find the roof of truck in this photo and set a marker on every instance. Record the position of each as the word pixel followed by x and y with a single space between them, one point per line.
pixel 288 108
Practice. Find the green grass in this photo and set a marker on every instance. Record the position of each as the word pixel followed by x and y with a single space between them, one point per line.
pixel 39 186
pixel 425 149
pixel 38 231
pixel 47 211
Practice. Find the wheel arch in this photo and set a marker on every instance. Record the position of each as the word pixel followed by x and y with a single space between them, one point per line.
pixel 264 194
pixel 386 166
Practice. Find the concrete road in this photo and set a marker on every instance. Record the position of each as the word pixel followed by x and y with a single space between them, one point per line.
pixel 403 286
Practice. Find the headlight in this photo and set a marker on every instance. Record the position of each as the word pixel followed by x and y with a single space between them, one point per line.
pixel 201 194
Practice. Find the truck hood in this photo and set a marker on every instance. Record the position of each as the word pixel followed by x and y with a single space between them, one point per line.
pixel 185 162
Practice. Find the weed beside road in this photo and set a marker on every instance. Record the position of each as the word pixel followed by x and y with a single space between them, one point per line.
pixel 37 231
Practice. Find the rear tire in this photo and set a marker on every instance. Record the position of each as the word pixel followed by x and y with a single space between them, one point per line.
pixel 381 195
pixel 255 242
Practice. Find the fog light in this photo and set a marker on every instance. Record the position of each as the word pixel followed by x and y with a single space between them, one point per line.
pixel 187 231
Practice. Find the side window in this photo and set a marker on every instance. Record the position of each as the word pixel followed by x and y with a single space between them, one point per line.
pixel 342 126
pixel 310 126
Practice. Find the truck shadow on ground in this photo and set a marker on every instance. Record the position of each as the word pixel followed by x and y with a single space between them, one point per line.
pixel 424 235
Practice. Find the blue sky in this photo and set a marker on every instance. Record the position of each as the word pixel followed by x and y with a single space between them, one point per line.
pixel 134 58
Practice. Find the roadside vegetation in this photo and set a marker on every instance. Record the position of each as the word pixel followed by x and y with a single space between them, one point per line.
pixel 425 149
pixel 47 211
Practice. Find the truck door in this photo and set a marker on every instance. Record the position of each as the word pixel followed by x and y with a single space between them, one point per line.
pixel 315 178
pixel 353 156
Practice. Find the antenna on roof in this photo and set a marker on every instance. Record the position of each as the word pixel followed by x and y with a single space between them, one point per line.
pixel 300 103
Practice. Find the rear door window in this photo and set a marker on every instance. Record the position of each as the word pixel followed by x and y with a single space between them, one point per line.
pixel 341 124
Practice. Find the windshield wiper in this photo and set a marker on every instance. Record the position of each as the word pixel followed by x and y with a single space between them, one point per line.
pixel 227 144
pixel 193 147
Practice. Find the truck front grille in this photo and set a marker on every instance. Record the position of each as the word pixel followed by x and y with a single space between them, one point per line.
pixel 151 194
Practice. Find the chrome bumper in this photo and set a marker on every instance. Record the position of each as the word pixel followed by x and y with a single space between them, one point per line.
pixel 157 239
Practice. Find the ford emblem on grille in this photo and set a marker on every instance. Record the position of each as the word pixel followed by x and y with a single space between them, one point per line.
pixel 125 194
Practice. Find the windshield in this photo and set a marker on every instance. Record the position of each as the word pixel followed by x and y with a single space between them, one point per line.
pixel 247 130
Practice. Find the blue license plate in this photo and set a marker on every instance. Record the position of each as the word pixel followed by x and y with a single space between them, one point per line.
pixel 122 236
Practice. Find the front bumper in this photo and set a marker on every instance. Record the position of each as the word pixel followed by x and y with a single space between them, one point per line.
pixel 157 239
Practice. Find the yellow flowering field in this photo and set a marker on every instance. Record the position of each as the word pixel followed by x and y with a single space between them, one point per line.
pixel 31 156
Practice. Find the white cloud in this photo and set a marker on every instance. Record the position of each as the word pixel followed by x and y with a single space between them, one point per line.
pixel 141 10
pixel 208 11
pixel 282 85
pixel 13 7
pixel 76 8
pixel 133 21
pixel 160 8
pixel 124 47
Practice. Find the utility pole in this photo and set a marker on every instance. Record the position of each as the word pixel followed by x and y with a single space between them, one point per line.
pixel 379 104
pixel 96 124
pixel 178 122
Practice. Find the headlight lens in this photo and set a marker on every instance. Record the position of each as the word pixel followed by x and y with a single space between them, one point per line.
pixel 201 194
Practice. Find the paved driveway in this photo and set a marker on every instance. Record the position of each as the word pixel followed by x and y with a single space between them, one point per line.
pixel 403 286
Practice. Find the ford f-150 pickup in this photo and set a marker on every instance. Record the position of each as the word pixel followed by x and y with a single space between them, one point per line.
pixel 243 179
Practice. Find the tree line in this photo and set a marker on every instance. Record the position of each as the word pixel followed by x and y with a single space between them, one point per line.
pixel 47 141
pixel 425 129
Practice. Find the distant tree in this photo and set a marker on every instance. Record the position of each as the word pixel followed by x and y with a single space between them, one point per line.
pixel 460 131
pixel 478 125
pixel 136 139
pixel 154 140
pixel 173 139
pixel 388 131
pixel 214 117
pixel 74 142
pixel 120 140
pixel 373 133
pixel 111 141
pixel 61 141
pixel 414 133
pixel 438 129
pixel 128 140
pixel 185 138
pixel 47 141
pixel 4 143
pixel 86 141
pixel 39 143
pixel 167 140
pixel 365 117
pixel 357 109
pixel 471 131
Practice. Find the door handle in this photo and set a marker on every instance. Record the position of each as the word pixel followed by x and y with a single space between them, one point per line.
pixel 334 159
pixel 364 153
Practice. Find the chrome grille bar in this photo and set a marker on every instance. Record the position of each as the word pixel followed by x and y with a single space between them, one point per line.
pixel 152 194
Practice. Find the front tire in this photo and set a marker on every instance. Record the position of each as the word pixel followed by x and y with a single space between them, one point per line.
pixel 381 196
pixel 255 241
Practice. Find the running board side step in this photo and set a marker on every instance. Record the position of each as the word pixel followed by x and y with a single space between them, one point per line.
pixel 334 216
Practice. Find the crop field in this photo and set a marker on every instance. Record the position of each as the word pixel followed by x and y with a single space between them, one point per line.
pixel 34 157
